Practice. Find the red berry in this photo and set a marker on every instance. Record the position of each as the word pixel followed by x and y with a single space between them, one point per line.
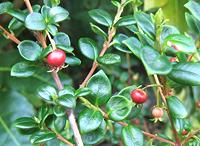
pixel 184 132
pixel 172 59
pixel 157 112
pixel 139 96
pixel 56 58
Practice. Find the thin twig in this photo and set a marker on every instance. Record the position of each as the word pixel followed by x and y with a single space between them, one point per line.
pixel 56 78
pixel 106 44
pixel 60 137
pixel 9 35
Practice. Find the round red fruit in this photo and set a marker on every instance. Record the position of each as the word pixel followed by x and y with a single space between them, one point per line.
pixel 172 59
pixel 139 96
pixel 157 112
pixel 184 132
pixel 56 58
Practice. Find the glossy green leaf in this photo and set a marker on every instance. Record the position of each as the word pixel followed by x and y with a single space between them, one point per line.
pixel 67 100
pixel 132 136
pixel 82 92
pixel 182 43
pixel 52 29
pixel 176 107
pixel 59 111
pixel 126 21
pixel 5 6
pixel 193 23
pixel 88 48
pixel 98 30
pixel 62 39
pixel 26 123
pixel 182 124
pixel 41 137
pixel 109 59
pixel 134 45
pixel 18 14
pixel 58 14
pixel 187 73
pixel 101 17
pixel 89 120
pixel 118 43
pixel 145 23
pixel 126 92
pixel 43 113
pixel 47 93
pixel 194 7
pixel 59 123
pixel 118 107
pixel 35 21
pixel 72 61
pixel 23 69
pixel 29 50
pixel 101 88
pixel 154 62
pixel 67 90
pixel 96 135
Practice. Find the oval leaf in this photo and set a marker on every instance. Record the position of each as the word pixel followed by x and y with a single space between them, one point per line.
pixel 47 92
pixel 41 137
pixel 118 107
pixel 88 47
pixel 89 120
pixel 109 58
pixel 187 73
pixel 176 107
pixel 29 50
pixel 26 123
pixel 154 62
pixel 132 136
pixel 35 21
pixel 100 86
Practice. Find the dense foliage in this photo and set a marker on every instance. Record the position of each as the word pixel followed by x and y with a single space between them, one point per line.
pixel 95 72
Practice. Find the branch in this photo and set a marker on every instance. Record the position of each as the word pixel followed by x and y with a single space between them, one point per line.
pixel 56 78
pixel 106 44
pixel 9 35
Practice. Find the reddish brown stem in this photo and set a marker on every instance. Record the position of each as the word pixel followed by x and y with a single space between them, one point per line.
pixel 9 35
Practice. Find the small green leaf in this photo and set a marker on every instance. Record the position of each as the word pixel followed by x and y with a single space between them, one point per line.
pixel 35 21
pixel 109 59
pixel 67 100
pixel 193 23
pixel 47 92
pixel 59 123
pixel 41 137
pixel 134 45
pixel 52 29
pixel 132 136
pixel 101 17
pixel 20 15
pixel 182 43
pixel 88 47
pixel 176 107
pixel 59 111
pixel 126 21
pixel 98 30
pixel 154 62
pixel 89 120
pixel 43 114
pixel 58 14
pixel 95 136
pixel 194 7
pixel 26 123
pixel 29 50
pixel 62 39
pixel 145 23
pixel 23 69
pixel 187 73
pixel 118 107
pixel 5 6
pixel 72 61
pixel 46 51
pixel 82 92
pixel 100 86
pixel 126 92
pixel 117 43
pixel 67 90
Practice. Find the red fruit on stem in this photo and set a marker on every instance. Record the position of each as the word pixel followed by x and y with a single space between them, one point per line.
pixel 157 112
pixel 172 59
pixel 56 58
pixel 184 132
pixel 139 96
